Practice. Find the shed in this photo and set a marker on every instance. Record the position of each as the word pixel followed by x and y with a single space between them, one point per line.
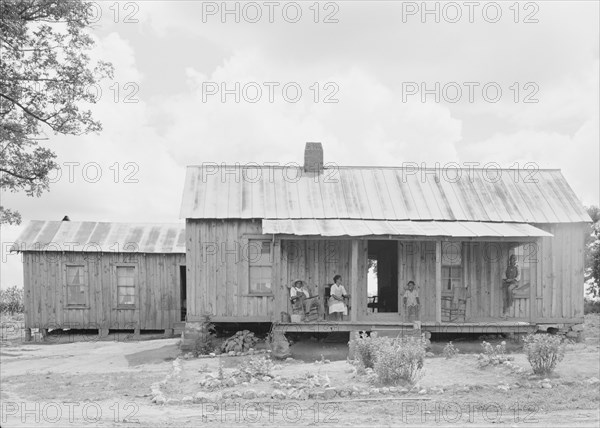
pixel 104 276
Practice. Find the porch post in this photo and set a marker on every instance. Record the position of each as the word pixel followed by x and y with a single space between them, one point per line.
pixel 354 281
pixel 438 281
pixel 538 278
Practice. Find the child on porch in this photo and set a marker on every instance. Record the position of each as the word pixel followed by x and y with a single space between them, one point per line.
pixel 411 302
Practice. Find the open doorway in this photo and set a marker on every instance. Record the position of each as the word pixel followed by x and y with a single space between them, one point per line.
pixel 182 292
pixel 382 276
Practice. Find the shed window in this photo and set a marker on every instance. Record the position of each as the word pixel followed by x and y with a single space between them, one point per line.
pixel 451 265
pixel 77 286
pixel 125 285
pixel 260 261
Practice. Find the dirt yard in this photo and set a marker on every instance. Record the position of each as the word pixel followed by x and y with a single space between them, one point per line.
pixel 112 383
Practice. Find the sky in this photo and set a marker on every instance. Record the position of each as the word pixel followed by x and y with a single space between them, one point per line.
pixel 378 83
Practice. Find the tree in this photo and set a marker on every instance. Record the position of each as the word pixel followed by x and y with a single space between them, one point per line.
pixel 592 253
pixel 45 78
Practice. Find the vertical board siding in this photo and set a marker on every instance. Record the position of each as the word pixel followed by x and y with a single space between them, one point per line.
pixel 157 291
pixel 217 264
pixel 562 272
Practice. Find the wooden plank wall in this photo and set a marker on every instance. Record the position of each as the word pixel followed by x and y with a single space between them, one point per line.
pixel 217 272
pixel 157 293
pixel 417 263
pixel 484 264
pixel 317 261
pixel 218 284
pixel 560 291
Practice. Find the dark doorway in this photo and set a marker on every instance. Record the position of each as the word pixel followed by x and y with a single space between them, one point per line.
pixel 383 263
pixel 182 292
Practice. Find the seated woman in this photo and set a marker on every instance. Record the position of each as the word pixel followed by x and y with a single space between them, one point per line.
pixel 337 304
pixel 301 299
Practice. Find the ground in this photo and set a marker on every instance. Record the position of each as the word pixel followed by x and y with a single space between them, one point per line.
pixel 70 382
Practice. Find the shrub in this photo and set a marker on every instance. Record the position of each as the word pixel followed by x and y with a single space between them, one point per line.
pixel 11 300
pixel 544 352
pixel 366 348
pixel 205 343
pixel 399 360
pixel 591 306
pixel 493 355
pixel 450 351
pixel 242 341
pixel 254 366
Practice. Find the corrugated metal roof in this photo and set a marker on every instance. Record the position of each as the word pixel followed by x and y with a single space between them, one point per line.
pixel 102 237
pixel 458 229
pixel 380 193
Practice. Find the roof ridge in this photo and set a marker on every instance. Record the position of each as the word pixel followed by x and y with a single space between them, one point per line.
pixel 330 166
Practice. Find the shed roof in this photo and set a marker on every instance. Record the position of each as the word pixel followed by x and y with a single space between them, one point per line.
pixel 96 237
pixel 379 193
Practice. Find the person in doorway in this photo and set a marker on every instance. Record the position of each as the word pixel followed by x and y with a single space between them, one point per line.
pixel 510 281
pixel 411 302
pixel 337 303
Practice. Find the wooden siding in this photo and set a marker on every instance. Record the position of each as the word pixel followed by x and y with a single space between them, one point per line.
pixel 559 294
pixel 218 273
pixel 417 263
pixel 157 291
pixel 317 261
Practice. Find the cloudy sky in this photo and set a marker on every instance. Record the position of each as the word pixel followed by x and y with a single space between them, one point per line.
pixel 515 85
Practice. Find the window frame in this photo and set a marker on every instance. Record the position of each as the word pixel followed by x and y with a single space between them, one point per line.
pixel 453 268
pixel 115 275
pixel 86 278
pixel 270 264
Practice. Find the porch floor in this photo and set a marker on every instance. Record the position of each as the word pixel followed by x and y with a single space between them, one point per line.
pixel 432 327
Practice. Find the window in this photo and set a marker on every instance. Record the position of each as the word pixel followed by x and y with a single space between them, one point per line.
pixel 451 265
pixel 260 262
pixel 125 286
pixel 526 257
pixel 76 286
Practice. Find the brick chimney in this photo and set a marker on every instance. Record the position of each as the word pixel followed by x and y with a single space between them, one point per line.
pixel 313 157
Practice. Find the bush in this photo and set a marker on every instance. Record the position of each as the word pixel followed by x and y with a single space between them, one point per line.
pixel 591 306
pixel 242 341
pixel 450 351
pixel 11 300
pixel 255 366
pixel 399 360
pixel 366 348
pixel 205 343
pixel 544 352
pixel 493 355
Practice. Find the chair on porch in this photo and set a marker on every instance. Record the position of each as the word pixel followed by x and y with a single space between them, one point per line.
pixel 304 308
pixel 454 307
pixel 372 303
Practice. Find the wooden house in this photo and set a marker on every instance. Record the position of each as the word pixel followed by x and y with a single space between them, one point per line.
pixel 252 230
pixel 103 276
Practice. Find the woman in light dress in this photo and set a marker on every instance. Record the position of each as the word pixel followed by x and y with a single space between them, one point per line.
pixel 337 305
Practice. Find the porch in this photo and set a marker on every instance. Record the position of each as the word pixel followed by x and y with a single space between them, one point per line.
pixel 457 263
pixel 402 328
